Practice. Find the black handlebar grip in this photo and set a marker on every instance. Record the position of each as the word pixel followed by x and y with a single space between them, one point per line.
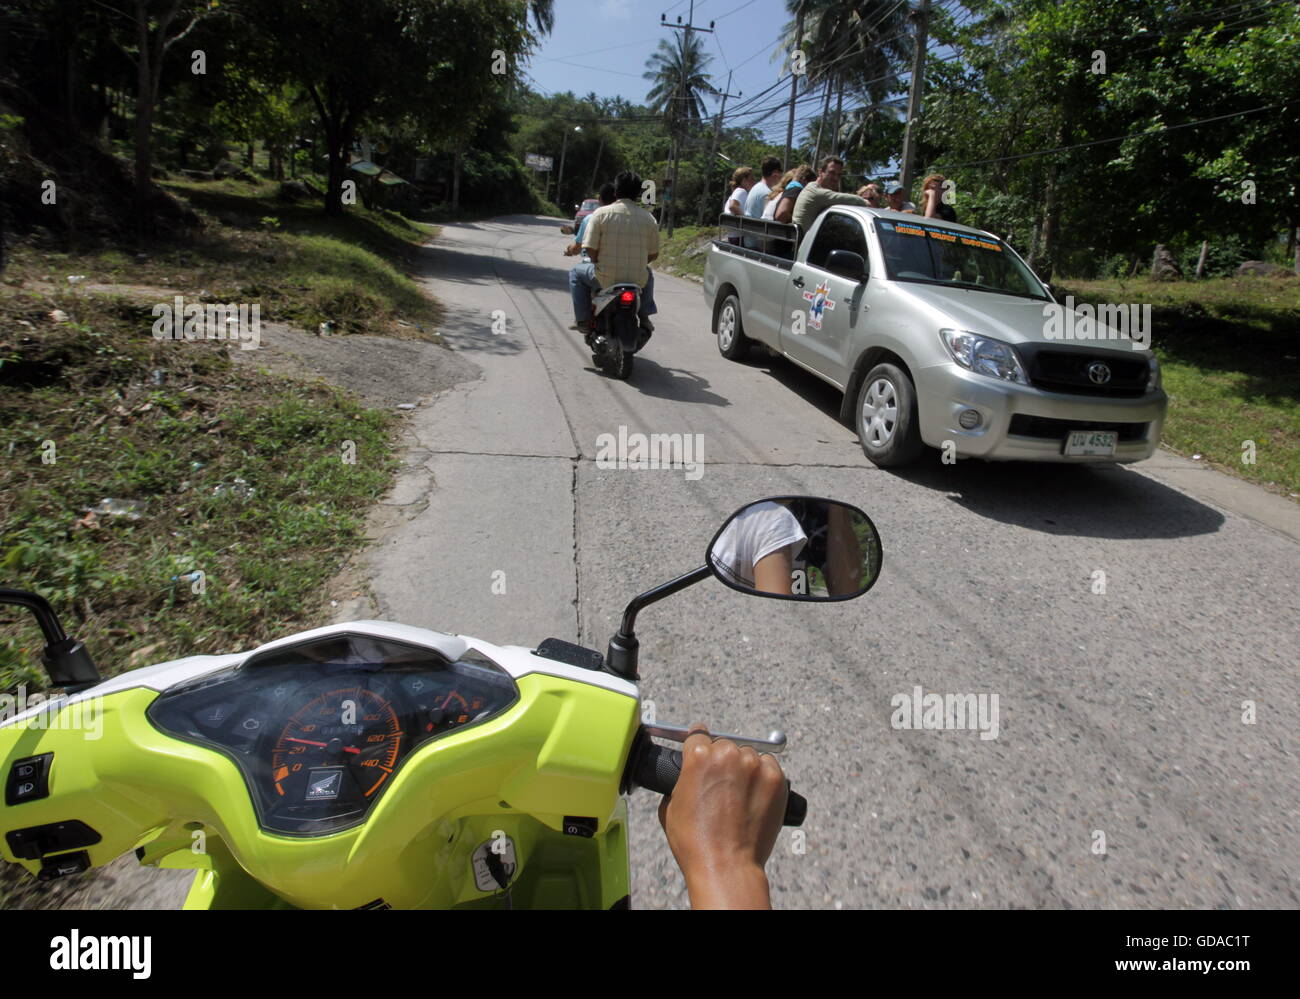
pixel 657 769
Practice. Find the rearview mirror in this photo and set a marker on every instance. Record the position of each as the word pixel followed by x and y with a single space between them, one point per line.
pixel 797 548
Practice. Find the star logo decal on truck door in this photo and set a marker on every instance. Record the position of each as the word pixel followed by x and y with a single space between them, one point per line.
pixel 819 300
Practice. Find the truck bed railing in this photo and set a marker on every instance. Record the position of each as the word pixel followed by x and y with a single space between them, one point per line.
pixel 741 225
pixel 766 239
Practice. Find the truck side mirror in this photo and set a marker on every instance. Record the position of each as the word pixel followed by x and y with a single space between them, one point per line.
pixel 847 264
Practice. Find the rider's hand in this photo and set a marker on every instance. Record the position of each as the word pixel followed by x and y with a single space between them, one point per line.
pixel 573 249
pixel 722 820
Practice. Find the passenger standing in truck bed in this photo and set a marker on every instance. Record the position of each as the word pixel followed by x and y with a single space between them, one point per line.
pixel 816 197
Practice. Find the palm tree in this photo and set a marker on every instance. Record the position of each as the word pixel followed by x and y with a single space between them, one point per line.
pixel 679 72
pixel 853 48
pixel 543 14
pixel 871 134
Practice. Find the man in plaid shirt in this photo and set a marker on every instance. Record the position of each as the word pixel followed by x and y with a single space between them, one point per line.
pixel 620 239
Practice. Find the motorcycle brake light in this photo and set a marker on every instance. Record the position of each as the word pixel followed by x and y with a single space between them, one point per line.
pixel 627 297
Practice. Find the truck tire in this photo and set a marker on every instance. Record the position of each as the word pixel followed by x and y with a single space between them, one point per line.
pixel 886 419
pixel 730 330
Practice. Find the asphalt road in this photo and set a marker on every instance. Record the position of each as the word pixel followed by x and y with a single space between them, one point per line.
pixel 1120 713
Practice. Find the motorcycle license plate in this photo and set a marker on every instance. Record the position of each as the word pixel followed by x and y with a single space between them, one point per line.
pixel 1090 443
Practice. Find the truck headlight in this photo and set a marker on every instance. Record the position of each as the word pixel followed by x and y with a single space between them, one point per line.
pixel 984 356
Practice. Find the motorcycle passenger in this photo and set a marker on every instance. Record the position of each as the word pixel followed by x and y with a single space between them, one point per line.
pixel 620 239
pixel 757 549
pixel 606 198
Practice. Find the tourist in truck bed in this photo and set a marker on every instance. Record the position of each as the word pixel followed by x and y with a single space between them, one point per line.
pixel 819 195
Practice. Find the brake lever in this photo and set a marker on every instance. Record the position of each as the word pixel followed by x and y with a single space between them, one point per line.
pixel 774 743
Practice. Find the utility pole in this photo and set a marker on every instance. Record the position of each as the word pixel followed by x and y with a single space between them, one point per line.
pixel 559 179
pixel 922 16
pixel 596 169
pixel 826 110
pixel 671 201
pixel 794 87
pixel 713 150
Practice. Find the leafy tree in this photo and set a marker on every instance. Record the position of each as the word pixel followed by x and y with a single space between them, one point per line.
pixel 440 63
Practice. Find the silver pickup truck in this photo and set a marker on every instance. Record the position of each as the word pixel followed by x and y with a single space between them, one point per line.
pixel 937 334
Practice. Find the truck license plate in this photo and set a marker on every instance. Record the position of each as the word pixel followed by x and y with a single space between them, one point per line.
pixel 1090 443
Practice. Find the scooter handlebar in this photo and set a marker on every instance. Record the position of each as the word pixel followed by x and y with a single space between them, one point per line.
pixel 656 768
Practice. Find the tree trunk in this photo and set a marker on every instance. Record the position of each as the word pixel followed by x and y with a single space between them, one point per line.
pixel 334 191
pixel 143 116
pixel 70 84
pixel 1046 262
pixel 248 155
pixel 455 182
pixel 1200 264
pixel 839 107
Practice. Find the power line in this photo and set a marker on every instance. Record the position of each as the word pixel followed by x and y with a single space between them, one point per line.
pixel 746 106
pixel 812 95
pixel 735 10
pixel 1118 138
pixel 597 69
pixel 717 40
pixel 575 55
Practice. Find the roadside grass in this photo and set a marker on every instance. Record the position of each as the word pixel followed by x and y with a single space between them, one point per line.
pixel 685 252
pixel 297 264
pixel 1229 351
pixel 94 408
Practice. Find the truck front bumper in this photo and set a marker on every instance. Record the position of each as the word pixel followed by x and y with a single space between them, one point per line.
pixel 1023 423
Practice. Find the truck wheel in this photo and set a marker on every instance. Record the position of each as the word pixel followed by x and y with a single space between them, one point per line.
pixel 887 422
pixel 732 342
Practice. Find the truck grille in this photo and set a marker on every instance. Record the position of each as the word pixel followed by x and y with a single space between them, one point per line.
pixel 1068 370
pixel 1045 428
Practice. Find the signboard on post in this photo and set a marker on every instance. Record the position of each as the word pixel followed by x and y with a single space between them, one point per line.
pixel 538 162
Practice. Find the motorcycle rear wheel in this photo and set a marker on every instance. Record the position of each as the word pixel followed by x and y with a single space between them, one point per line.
pixel 610 357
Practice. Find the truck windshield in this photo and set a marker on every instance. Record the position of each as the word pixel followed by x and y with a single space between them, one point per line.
pixel 935 255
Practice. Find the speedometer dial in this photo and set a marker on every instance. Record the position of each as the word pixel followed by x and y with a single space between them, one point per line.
pixel 337 748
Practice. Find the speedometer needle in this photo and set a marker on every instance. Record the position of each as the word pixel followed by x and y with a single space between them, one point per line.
pixel 308 742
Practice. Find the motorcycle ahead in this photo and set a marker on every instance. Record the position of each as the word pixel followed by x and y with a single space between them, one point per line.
pixel 376 765
pixel 616 333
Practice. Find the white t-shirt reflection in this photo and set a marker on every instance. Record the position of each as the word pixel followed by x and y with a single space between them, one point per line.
pixel 756 533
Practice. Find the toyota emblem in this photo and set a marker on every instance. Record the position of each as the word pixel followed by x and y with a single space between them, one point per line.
pixel 1098 373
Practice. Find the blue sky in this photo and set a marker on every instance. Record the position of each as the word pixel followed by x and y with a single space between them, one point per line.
pixel 603 45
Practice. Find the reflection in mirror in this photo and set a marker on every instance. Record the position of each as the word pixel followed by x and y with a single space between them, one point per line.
pixel 798 547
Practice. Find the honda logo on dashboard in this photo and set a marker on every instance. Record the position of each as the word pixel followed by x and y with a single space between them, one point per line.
pixel 1098 373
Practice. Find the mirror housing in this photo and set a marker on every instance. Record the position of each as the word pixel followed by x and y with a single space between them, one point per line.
pixel 847 264
pixel 797 548
pixel 66 660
